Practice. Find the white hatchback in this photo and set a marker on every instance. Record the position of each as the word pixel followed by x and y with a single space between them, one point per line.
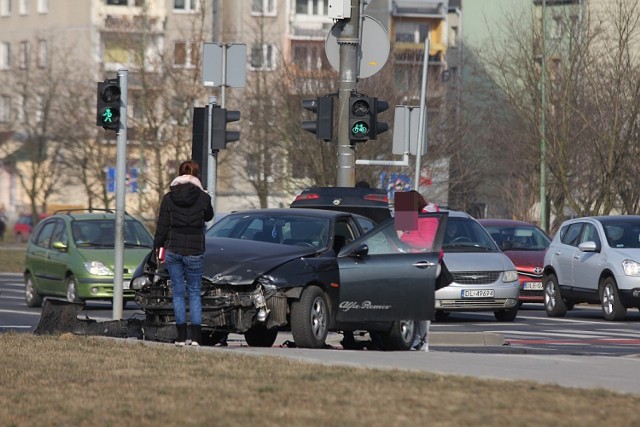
pixel 484 279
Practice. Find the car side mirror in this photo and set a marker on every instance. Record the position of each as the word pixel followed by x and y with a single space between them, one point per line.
pixel 506 245
pixel 59 246
pixel 358 252
pixel 589 246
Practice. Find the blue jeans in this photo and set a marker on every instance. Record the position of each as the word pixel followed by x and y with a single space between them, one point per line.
pixel 185 272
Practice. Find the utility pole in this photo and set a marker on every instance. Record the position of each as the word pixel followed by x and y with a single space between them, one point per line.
pixel 348 43
pixel 543 142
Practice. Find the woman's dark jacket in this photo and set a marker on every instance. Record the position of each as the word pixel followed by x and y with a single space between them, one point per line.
pixel 181 220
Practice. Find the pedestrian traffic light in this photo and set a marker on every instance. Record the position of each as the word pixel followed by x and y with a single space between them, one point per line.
pixel 108 106
pixel 360 117
pixel 322 126
pixel 377 127
pixel 220 136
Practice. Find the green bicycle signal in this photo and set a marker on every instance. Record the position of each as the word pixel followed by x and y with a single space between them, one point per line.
pixel 359 129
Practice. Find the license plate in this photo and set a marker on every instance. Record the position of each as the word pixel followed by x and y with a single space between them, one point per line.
pixel 125 284
pixel 477 293
pixel 532 286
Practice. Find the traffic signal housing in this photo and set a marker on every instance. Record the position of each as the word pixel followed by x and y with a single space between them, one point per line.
pixel 377 127
pixel 108 105
pixel 220 136
pixel 322 126
pixel 363 117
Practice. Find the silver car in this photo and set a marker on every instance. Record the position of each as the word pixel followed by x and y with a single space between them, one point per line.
pixel 594 260
pixel 484 279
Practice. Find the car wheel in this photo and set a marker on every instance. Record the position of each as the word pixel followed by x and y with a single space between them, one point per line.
pixel 310 318
pixel 72 290
pixel 506 315
pixel 400 337
pixel 612 308
pixel 260 336
pixel 31 295
pixel 553 303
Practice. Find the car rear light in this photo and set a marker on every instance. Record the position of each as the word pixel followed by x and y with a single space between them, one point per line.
pixel 377 198
pixel 309 196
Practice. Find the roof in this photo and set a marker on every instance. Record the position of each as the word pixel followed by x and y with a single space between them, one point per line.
pixel 503 222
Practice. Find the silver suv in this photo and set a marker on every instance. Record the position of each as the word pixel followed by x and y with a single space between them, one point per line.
pixel 594 260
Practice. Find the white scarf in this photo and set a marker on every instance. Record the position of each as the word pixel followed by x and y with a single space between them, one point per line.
pixel 184 179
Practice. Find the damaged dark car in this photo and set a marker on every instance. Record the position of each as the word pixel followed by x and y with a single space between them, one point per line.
pixel 305 271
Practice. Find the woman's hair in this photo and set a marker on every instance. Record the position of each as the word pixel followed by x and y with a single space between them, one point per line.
pixel 419 199
pixel 190 167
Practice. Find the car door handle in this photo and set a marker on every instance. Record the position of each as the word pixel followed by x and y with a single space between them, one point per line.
pixel 576 257
pixel 557 253
pixel 424 264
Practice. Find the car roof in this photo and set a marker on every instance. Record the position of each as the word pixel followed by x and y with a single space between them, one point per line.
pixel 317 213
pixel 85 214
pixel 502 222
pixel 605 218
pixel 457 214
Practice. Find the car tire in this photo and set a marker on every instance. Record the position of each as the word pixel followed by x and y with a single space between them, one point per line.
pixel 507 315
pixel 72 289
pixel 310 318
pixel 31 295
pixel 260 336
pixel 400 337
pixel 554 305
pixel 612 308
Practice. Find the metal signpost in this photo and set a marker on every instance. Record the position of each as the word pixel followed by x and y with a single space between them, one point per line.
pixel 223 65
pixel 121 171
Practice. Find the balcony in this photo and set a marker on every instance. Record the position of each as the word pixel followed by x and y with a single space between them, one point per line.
pixel 132 24
pixel 316 29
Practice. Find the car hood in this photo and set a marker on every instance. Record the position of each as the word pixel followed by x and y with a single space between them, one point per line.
pixel 132 257
pixel 240 262
pixel 526 258
pixel 477 261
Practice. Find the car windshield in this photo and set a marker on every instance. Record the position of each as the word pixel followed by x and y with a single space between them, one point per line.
pixel 281 229
pixel 466 235
pixel 519 238
pixel 622 233
pixel 100 233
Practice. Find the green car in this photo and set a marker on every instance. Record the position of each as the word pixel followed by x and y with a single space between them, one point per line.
pixel 72 255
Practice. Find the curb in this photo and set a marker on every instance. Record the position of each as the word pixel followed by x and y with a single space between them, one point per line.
pixel 465 338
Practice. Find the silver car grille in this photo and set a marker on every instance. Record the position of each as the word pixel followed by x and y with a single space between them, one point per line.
pixel 476 277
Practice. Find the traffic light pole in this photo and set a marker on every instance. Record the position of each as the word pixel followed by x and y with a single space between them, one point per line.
pixel 212 164
pixel 348 42
pixel 121 168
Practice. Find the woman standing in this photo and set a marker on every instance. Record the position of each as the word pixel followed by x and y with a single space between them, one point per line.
pixel 184 210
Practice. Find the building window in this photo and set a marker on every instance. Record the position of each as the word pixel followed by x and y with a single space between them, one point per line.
pixel 412 32
pixel 5 56
pixel 42 53
pixel 263 57
pixel 263 7
pixel 312 7
pixel 23 7
pixel 24 55
pixel 43 6
pixel 116 2
pixel 308 57
pixel 5 108
pixel 5 7
pixel 184 54
pixel 186 5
